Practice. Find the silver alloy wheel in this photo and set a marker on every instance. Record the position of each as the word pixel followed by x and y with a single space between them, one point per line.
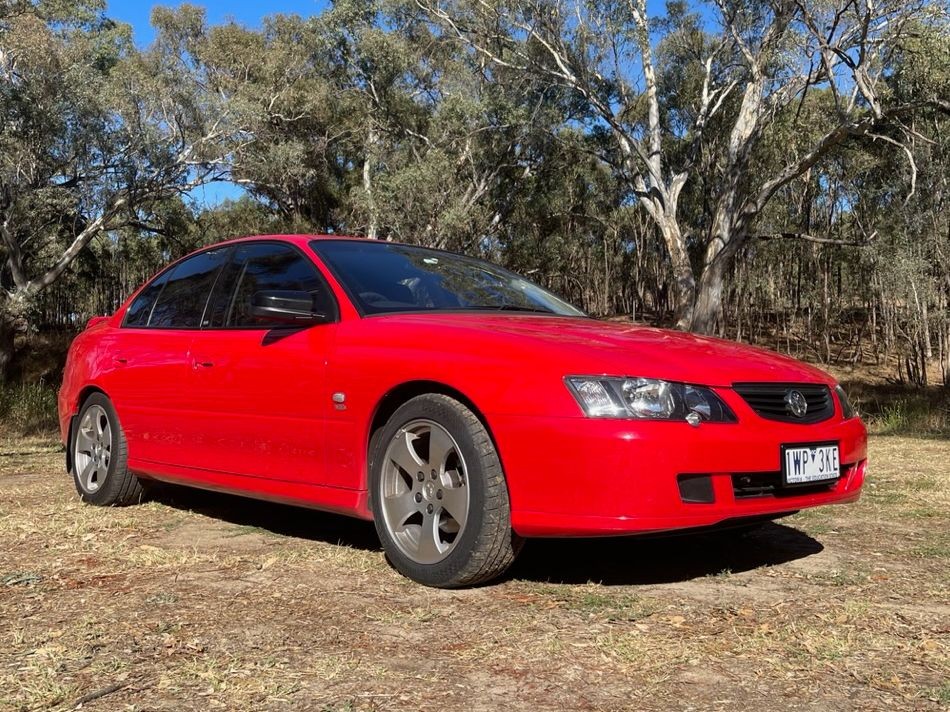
pixel 93 448
pixel 424 491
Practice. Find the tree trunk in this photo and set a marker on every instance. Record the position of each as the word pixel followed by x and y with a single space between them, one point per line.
pixel 372 229
pixel 684 283
pixel 8 330
pixel 708 307
pixel 722 245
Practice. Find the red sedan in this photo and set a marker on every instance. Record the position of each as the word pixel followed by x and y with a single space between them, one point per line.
pixel 459 406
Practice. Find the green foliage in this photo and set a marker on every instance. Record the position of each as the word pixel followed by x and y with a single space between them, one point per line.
pixel 901 410
pixel 96 138
pixel 912 416
pixel 28 408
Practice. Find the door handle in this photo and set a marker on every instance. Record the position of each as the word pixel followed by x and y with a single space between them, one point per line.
pixel 121 360
pixel 204 364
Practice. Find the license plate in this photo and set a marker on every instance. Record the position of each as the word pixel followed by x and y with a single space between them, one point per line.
pixel 805 464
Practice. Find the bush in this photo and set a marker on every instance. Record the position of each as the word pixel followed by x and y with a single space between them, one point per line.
pixel 28 408
pixel 892 409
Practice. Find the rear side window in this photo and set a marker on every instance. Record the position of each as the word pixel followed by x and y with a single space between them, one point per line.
pixel 182 302
pixel 262 267
pixel 141 308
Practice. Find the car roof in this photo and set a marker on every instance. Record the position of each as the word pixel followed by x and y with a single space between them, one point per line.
pixel 299 239
pixel 302 239
pixel 296 238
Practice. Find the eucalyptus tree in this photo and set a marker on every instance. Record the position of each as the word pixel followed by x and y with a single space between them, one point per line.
pixel 752 61
pixel 911 262
pixel 446 147
pixel 887 300
pixel 275 83
pixel 93 134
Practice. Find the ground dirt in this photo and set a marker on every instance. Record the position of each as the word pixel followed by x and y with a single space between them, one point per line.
pixel 199 600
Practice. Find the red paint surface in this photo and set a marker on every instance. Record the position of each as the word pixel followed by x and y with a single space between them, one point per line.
pixel 259 420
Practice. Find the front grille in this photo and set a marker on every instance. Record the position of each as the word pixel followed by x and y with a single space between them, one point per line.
pixel 755 484
pixel 769 484
pixel 769 401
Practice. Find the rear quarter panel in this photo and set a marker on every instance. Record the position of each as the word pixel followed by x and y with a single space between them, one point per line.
pixel 84 370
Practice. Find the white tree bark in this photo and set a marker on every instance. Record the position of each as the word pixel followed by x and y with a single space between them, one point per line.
pixel 372 227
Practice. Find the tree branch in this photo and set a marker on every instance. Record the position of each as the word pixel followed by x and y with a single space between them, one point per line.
pixel 910 161
pixel 79 242
pixel 815 238
pixel 828 142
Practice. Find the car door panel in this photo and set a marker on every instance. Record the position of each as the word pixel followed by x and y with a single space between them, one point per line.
pixel 259 402
pixel 259 399
pixel 146 380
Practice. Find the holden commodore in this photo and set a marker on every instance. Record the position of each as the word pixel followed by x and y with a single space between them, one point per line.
pixel 457 405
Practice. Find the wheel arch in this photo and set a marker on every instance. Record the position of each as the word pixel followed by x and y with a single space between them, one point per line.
pixel 87 391
pixel 84 393
pixel 396 396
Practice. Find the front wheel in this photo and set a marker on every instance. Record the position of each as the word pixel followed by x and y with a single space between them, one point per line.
pixel 99 454
pixel 439 496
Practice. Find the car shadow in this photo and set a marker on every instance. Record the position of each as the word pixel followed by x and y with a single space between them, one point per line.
pixel 610 561
pixel 282 519
pixel 656 560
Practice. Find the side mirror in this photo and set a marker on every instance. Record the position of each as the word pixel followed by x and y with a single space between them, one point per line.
pixel 288 307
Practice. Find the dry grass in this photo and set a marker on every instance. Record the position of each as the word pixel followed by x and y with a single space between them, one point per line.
pixel 205 600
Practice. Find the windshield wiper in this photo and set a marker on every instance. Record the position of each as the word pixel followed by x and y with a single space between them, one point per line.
pixel 510 307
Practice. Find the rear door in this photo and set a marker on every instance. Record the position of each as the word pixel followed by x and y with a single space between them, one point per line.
pixel 152 366
pixel 259 395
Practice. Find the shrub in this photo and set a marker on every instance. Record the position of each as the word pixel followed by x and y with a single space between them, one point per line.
pixel 28 408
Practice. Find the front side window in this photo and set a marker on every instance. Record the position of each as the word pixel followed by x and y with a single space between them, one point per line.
pixel 261 267
pixel 381 277
pixel 182 301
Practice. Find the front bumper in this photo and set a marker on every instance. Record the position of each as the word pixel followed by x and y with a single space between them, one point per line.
pixel 590 477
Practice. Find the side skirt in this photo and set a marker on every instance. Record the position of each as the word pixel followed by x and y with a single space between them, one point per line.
pixel 350 502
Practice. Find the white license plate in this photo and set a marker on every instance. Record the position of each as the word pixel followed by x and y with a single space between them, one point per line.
pixel 810 463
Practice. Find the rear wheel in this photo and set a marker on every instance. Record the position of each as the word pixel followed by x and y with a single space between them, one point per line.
pixel 99 456
pixel 439 496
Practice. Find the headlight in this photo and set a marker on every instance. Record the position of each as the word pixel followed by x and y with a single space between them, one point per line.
pixel 847 410
pixel 647 399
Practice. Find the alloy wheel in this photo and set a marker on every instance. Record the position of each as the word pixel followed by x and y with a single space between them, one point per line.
pixel 425 495
pixel 93 448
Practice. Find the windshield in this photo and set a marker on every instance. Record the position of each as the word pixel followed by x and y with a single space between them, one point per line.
pixel 382 277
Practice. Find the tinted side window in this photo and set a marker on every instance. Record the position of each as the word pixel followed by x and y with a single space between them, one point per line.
pixel 141 308
pixel 182 302
pixel 260 267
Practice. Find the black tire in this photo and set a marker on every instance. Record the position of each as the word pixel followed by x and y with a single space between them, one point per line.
pixel 486 546
pixel 118 487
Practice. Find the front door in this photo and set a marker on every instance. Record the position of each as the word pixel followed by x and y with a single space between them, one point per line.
pixel 259 398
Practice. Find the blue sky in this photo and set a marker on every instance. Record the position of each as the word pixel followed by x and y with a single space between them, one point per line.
pixel 246 12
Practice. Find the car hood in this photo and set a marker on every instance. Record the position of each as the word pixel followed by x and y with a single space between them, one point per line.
pixel 581 346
